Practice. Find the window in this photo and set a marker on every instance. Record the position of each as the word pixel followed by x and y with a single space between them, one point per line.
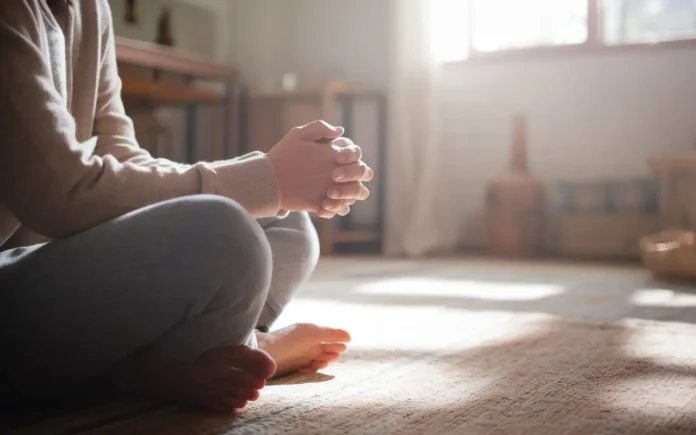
pixel 508 24
pixel 481 28
pixel 649 21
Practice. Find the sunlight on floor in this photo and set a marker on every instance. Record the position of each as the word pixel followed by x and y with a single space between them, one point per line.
pixel 662 347
pixel 384 329
pixel 403 351
pixel 663 298
pixel 653 395
pixel 388 327
pixel 466 289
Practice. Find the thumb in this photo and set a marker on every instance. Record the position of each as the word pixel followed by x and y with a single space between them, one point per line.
pixel 318 131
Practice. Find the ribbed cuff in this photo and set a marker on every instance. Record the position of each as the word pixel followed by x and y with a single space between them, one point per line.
pixel 251 182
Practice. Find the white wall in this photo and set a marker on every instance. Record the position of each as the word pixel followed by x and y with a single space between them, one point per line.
pixel 315 39
pixel 592 117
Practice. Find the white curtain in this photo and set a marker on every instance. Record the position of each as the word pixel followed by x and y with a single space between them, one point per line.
pixel 414 224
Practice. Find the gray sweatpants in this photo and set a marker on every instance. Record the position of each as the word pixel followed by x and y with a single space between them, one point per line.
pixel 176 278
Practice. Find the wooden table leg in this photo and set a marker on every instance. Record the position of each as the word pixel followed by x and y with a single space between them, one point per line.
pixel 326 231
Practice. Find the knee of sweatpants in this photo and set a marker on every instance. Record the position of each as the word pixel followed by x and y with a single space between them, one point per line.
pixel 306 246
pixel 295 253
pixel 232 259
pixel 236 247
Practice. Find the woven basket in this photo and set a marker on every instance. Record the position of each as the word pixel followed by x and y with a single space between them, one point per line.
pixel 670 254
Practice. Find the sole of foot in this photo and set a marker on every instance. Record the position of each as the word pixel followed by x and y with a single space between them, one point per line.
pixel 220 380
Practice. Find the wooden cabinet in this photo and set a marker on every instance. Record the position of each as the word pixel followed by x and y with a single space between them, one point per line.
pixel 677 203
pixel 271 115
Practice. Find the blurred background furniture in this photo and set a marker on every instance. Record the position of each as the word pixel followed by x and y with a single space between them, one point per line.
pixel 155 77
pixel 602 219
pixel 671 254
pixel 515 203
pixel 676 210
pixel 272 114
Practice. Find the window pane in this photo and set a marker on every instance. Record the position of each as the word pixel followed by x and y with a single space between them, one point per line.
pixel 504 24
pixel 450 30
pixel 641 21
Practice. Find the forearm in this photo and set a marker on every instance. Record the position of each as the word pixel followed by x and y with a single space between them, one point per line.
pixel 58 185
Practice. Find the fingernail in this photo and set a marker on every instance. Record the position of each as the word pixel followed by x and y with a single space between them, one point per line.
pixel 333 193
pixel 339 175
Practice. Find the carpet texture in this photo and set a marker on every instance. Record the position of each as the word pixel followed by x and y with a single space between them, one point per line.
pixel 428 368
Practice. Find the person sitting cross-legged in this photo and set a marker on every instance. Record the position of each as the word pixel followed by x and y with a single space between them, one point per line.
pixel 155 277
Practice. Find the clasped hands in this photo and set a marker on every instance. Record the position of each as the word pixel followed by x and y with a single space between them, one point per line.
pixel 319 171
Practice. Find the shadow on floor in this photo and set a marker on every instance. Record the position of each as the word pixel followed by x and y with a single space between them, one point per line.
pixel 567 377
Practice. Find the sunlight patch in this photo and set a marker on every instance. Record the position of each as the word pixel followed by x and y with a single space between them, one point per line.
pixel 664 348
pixel 663 298
pixel 654 395
pixel 464 289
pixel 414 328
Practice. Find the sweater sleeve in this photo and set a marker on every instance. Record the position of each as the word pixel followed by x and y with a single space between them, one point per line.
pixel 57 186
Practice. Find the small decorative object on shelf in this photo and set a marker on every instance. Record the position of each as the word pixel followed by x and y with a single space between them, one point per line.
pixel 132 12
pixel 516 203
pixel 164 28
pixel 289 82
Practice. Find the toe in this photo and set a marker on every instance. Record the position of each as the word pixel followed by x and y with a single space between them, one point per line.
pixel 224 404
pixel 242 393
pixel 328 357
pixel 253 396
pixel 314 366
pixel 333 348
pixel 324 334
pixel 335 335
pixel 253 361
pixel 230 402
pixel 239 379
pixel 318 365
pixel 235 403
pixel 330 335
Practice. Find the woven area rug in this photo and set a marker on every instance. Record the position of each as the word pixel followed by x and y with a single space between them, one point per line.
pixel 425 368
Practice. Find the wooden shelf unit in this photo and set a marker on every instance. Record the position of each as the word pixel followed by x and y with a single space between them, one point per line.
pixel 157 57
pixel 160 93
pixel 674 164
pixel 155 76
pixel 668 170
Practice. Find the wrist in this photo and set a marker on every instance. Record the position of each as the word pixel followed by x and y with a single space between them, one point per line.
pixel 251 182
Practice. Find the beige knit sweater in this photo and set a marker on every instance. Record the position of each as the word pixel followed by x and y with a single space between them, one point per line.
pixel 68 155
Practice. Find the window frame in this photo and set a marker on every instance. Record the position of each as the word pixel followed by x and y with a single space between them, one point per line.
pixel 594 44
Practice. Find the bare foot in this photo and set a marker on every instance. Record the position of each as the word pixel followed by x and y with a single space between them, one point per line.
pixel 220 380
pixel 303 347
